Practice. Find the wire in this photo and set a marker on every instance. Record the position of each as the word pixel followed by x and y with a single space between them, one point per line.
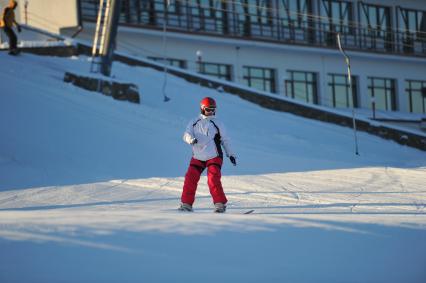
pixel 317 19
pixel 309 27
pixel 289 12
pixel 350 25
pixel 326 99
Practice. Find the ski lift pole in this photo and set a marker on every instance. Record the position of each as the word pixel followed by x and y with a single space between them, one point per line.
pixel 108 40
pixel 165 97
pixel 348 63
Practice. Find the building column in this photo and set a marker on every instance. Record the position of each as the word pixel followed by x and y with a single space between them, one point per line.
pixel 364 97
pixel 237 67
pixel 322 84
pixel 401 97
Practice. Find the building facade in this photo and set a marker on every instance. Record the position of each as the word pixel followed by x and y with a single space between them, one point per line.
pixel 287 47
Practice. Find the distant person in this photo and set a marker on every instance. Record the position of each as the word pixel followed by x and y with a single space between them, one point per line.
pixel 7 22
pixel 206 134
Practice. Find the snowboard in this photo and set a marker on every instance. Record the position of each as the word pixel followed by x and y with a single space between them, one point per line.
pixel 244 212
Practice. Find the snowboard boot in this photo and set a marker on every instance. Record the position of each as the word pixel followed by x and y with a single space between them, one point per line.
pixel 14 52
pixel 219 207
pixel 185 207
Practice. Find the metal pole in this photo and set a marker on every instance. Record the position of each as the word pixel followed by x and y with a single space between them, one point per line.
pixel 107 52
pixel 98 26
pixel 26 12
pixel 348 63
pixel 165 97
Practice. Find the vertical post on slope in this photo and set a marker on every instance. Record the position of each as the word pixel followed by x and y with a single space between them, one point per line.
pixel 199 55
pixel 348 63
pixel 166 12
pixel 109 45
pixel 373 104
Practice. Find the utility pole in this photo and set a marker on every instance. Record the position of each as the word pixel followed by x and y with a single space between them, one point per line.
pixel 104 41
pixel 165 19
pixel 110 38
pixel 348 64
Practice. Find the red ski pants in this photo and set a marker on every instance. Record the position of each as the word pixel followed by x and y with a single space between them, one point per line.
pixel 196 167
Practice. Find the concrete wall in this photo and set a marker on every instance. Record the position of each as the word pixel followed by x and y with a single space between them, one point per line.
pixel 49 15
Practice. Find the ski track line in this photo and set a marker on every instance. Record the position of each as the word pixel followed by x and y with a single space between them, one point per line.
pixel 397 179
pixel 295 194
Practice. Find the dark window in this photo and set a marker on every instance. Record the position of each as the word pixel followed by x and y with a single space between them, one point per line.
pixel 416 95
pixel 382 92
pixel 242 16
pixel 376 26
pixel 259 78
pixel 339 16
pixel 413 22
pixel 295 22
pixel 172 62
pixel 221 71
pixel 259 13
pixel 412 25
pixel 147 12
pixel 208 15
pixel 295 12
pixel 339 91
pixel 302 86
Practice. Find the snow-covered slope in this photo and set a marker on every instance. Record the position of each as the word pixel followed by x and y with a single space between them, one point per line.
pixel 89 188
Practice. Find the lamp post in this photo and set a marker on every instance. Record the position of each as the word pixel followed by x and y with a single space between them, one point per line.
pixel 373 104
pixel 199 55
pixel 348 64
pixel 166 12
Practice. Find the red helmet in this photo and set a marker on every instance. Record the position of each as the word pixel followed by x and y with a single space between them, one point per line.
pixel 209 103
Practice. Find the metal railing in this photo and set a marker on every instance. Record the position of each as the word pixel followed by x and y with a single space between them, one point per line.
pixel 315 31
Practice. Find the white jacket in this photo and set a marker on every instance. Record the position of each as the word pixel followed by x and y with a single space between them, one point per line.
pixel 203 128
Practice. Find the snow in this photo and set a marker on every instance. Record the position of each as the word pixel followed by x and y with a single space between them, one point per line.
pixel 89 188
pixel 34 37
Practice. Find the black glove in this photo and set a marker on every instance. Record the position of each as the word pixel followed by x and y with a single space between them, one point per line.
pixel 19 28
pixel 233 160
pixel 194 141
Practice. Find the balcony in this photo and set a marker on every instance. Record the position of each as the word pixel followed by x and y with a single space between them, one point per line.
pixel 273 26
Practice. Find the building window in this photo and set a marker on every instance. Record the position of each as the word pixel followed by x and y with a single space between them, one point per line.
pixel 207 15
pixel 172 62
pixel 412 24
pixel 221 71
pixel 416 93
pixel 382 92
pixel 302 86
pixel 295 13
pixel 339 18
pixel 339 91
pixel 377 27
pixel 259 78
pixel 254 18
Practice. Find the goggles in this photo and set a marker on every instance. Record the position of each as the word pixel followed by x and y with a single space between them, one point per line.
pixel 210 109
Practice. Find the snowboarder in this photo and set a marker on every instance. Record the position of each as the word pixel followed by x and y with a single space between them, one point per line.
pixel 7 21
pixel 206 134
